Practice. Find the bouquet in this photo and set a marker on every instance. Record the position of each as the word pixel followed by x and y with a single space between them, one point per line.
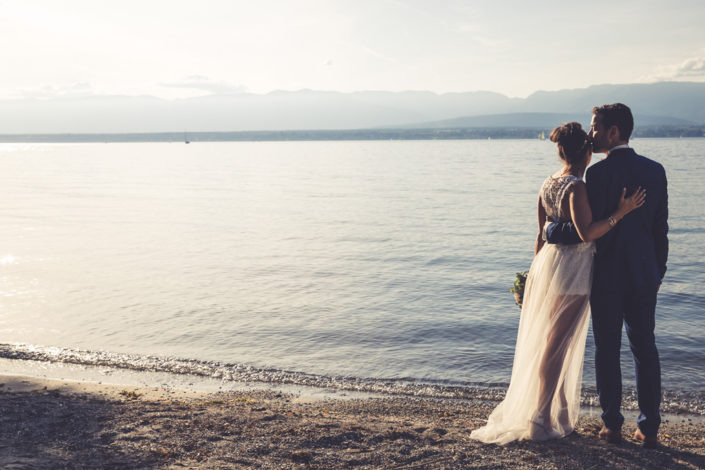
pixel 518 289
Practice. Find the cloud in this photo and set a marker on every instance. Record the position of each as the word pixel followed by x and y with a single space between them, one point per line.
pixel 467 28
pixel 490 42
pixel 199 82
pixel 370 52
pixel 693 69
pixel 60 91
pixel 475 32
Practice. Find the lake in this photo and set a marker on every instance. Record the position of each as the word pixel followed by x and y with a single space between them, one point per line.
pixel 321 262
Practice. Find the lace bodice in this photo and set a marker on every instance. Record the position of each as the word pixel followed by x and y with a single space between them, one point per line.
pixel 552 193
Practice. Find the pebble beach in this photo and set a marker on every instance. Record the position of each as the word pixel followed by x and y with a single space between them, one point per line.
pixel 49 424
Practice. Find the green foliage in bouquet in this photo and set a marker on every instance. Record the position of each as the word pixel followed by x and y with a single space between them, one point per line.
pixel 518 289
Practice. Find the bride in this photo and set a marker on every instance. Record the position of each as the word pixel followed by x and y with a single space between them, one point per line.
pixel 543 399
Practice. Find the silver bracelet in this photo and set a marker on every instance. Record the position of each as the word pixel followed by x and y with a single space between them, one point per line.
pixel 611 220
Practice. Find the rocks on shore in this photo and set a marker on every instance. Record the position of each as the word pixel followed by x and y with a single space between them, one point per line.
pixel 110 427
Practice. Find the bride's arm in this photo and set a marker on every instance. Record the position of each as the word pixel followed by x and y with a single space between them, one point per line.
pixel 542 220
pixel 581 214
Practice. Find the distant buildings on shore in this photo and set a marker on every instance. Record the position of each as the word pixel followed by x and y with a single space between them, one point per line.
pixel 343 134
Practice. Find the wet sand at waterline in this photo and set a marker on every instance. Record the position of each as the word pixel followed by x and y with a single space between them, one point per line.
pixel 62 424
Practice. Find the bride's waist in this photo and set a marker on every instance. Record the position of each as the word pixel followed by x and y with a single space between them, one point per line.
pixel 579 247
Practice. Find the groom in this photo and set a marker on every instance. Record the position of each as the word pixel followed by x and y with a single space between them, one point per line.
pixel 629 266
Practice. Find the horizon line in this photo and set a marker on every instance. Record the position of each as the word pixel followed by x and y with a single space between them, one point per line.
pixel 283 91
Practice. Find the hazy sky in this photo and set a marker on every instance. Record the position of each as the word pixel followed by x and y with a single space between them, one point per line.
pixel 179 48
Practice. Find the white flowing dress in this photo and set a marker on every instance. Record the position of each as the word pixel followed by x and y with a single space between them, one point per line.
pixel 543 398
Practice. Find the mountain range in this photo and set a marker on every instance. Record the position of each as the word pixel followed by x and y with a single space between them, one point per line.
pixel 655 104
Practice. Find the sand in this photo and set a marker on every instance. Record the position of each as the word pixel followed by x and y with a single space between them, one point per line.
pixel 59 424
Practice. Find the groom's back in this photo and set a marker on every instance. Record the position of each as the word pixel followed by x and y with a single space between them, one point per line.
pixel 633 254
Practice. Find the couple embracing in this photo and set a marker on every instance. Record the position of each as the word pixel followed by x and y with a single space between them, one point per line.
pixel 597 251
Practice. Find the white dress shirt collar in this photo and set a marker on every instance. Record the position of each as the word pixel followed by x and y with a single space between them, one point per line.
pixel 623 146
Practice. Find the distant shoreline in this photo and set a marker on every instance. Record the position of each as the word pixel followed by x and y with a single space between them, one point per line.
pixel 474 133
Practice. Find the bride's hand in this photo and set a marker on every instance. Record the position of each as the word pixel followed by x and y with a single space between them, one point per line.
pixel 626 205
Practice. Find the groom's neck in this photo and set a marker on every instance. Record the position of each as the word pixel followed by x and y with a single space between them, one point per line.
pixel 622 145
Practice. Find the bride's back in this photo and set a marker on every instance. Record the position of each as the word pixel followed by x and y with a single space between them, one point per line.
pixel 553 194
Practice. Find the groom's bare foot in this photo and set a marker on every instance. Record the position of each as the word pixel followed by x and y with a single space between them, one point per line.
pixel 649 442
pixel 609 435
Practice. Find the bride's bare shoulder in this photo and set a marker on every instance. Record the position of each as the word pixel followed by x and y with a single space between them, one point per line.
pixel 578 188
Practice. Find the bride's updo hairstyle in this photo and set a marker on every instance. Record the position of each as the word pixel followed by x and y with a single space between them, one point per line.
pixel 572 140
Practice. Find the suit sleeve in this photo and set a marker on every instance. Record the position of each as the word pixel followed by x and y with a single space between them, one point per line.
pixel 562 233
pixel 596 194
pixel 660 230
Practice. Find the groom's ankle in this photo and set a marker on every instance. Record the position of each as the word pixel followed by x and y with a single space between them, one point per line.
pixel 613 436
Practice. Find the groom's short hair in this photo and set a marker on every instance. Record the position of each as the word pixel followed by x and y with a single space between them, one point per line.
pixel 616 114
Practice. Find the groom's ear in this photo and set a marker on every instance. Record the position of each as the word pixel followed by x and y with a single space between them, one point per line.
pixel 613 134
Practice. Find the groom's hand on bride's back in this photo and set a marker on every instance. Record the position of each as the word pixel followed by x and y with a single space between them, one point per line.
pixel 562 233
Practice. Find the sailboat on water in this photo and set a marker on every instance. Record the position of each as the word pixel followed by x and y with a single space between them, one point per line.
pixel 186 141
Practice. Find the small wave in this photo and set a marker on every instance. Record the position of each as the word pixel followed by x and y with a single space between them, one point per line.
pixel 679 230
pixel 445 260
pixel 692 402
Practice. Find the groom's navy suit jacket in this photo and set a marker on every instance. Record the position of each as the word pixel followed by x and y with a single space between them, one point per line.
pixel 633 254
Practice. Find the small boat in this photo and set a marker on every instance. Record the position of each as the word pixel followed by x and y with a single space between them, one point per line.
pixel 186 141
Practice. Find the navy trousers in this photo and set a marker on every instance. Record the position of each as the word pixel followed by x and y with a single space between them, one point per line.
pixel 635 309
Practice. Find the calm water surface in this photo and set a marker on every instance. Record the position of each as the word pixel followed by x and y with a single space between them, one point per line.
pixel 365 259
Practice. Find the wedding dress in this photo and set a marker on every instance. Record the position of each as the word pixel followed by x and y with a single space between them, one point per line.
pixel 543 398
